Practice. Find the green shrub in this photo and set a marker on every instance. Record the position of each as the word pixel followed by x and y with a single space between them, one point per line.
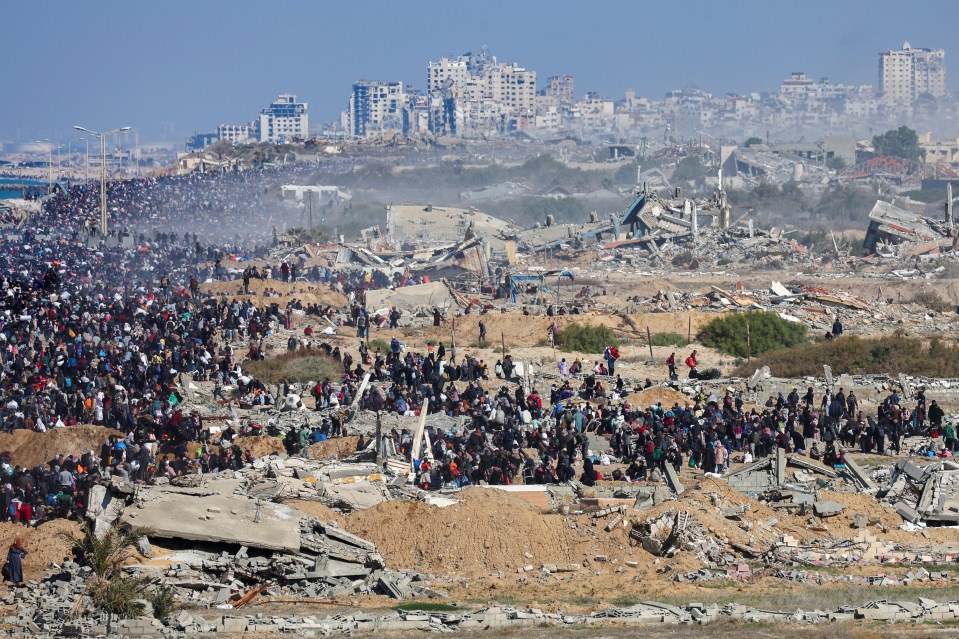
pixel 584 338
pixel 669 339
pixel 854 355
pixel 164 601
pixel 767 332
pixel 682 258
pixel 118 596
pixel 107 588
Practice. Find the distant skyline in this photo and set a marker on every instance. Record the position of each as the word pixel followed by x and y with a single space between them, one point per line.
pixel 172 68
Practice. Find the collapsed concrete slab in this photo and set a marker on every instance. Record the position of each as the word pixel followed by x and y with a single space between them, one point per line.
pixel 937 486
pixel 103 509
pixel 772 473
pixel 216 518
pixel 431 295
pixel 358 495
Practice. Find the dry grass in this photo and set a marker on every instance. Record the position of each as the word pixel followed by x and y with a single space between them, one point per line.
pixel 299 366
pixel 858 356
pixel 931 300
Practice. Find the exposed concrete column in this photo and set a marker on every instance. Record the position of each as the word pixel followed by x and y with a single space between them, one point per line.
pixel 949 204
pixel 723 212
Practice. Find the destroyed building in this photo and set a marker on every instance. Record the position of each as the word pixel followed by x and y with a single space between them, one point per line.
pixel 893 230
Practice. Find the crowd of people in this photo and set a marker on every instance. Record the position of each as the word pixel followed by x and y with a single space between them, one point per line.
pixel 568 428
pixel 111 335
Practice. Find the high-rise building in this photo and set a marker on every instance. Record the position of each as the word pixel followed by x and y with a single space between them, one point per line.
pixel 561 88
pixel 374 106
pixel 476 91
pixel 906 74
pixel 284 120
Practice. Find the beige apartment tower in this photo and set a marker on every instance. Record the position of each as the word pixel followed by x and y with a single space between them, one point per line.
pixel 906 74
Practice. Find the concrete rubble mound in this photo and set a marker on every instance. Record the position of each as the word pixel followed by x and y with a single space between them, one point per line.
pixel 38 618
pixel 927 494
pixel 236 537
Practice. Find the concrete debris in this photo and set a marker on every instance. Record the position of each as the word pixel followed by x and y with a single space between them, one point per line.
pixel 932 496
pixel 34 617
pixel 771 474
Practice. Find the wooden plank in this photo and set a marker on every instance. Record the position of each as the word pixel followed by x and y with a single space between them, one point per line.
pixel 250 595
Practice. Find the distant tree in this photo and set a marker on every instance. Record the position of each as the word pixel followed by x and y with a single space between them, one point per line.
pixel 845 203
pixel 901 143
pixel 753 140
pixel 690 168
pixel 792 196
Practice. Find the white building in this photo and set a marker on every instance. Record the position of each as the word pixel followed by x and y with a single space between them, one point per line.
pixel 906 74
pixel 375 106
pixel 481 89
pixel 237 133
pixel 284 120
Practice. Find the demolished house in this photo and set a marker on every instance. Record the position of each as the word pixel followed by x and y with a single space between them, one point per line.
pixel 794 479
pixel 236 537
pixel 927 494
pixel 650 221
pixel 898 232
pixel 417 226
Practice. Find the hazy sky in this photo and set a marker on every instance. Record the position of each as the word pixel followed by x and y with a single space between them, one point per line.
pixel 173 67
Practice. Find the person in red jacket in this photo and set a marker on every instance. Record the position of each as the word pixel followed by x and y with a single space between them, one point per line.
pixel 691 363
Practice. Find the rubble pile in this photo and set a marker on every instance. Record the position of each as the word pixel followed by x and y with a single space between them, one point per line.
pixel 863 547
pixel 928 494
pixel 185 624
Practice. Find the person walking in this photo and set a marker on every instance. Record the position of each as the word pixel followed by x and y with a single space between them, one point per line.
pixel 692 363
pixel 15 562
pixel 671 365
pixel 611 354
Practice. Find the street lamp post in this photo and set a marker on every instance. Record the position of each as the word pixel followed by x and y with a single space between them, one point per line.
pixel 103 170
pixel 59 169
pixel 49 168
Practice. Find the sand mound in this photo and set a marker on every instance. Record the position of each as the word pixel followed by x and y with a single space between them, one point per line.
pixel 334 448
pixel 316 509
pixel 307 293
pixel 45 544
pixel 516 328
pixel 490 530
pixel 671 322
pixel 261 445
pixel 31 449
pixel 652 396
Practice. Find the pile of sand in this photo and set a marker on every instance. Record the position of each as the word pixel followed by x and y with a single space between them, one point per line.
pixel 490 530
pixel 337 448
pixel 31 449
pixel 317 510
pixel 656 395
pixel 672 322
pixel 45 544
pixel 306 293
pixel 517 329
pixel 261 445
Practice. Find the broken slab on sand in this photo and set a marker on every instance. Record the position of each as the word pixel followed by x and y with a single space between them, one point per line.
pixel 216 518
pixel 434 294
